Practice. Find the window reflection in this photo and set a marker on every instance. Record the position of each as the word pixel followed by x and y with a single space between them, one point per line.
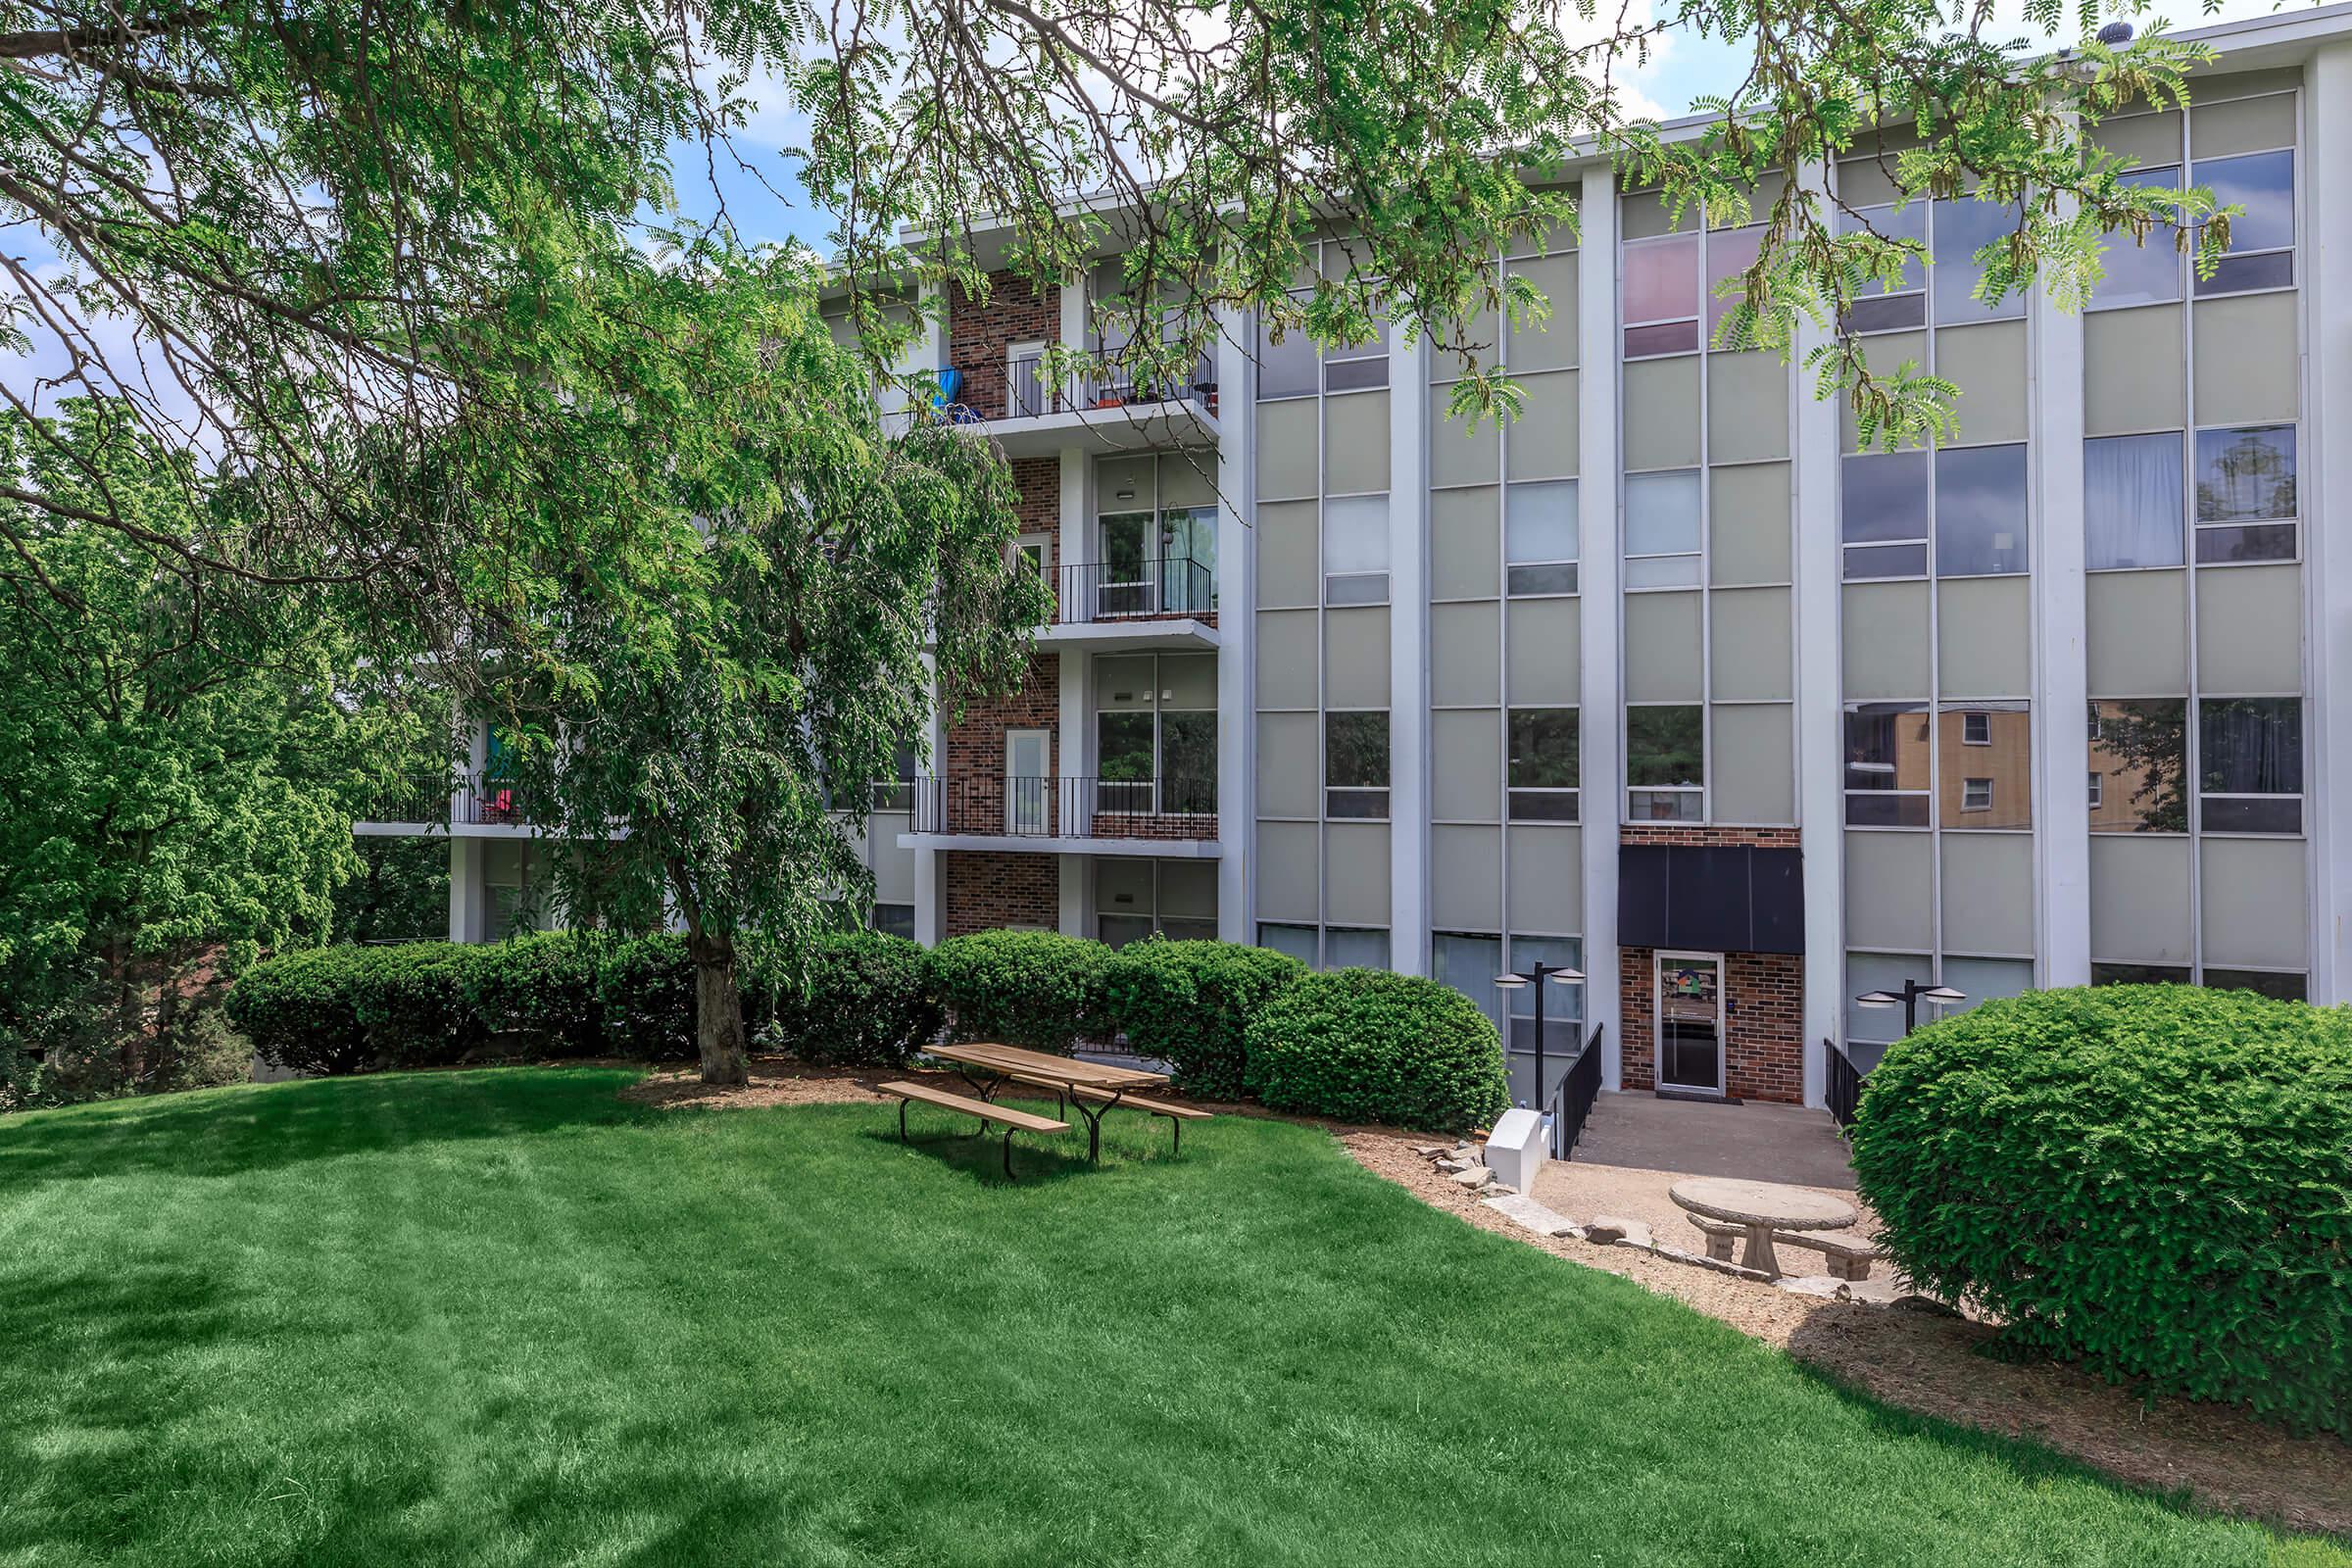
pixel 2140 758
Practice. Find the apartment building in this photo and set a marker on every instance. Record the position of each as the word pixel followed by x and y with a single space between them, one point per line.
pixel 1671 681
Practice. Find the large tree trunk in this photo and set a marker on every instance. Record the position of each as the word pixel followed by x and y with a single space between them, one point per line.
pixel 717 1009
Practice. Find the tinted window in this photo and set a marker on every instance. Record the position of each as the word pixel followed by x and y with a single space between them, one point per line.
pixel 1980 511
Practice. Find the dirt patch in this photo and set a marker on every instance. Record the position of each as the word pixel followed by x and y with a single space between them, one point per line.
pixel 1925 1363
pixel 773 1082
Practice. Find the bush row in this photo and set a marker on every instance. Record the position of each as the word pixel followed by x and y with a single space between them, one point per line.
pixel 1360 1044
pixel 2149 1180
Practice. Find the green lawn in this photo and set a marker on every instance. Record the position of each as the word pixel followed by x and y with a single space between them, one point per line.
pixel 500 1317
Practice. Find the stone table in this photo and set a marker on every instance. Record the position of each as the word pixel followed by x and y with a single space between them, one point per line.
pixel 1762 1208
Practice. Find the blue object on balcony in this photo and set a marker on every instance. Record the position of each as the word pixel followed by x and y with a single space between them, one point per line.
pixel 949 399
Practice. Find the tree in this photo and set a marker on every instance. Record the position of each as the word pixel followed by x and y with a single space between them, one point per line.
pixel 706 748
pixel 177 758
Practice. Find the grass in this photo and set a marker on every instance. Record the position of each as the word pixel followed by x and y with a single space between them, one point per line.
pixel 500 1317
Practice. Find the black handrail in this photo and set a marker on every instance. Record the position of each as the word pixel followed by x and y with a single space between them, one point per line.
pixel 479 800
pixel 1572 1100
pixel 1843 1083
pixel 1168 809
pixel 1163 586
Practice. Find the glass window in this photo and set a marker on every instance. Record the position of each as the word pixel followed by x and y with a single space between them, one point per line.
pixel 1877 310
pixel 1984 764
pixel 897 793
pixel 1980 511
pixel 1345 949
pixel 2250 764
pixel 1882 514
pixel 1563 1005
pixel 1665 764
pixel 2132 500
pixel 2139 974
pixel 1288 368
pixel 1662 529
pixel 1356 550
pixel 1356 367
pixel 1123 745
pixel 1469 964
pixel 1543 764
pixel 1730 251
pixel 1661 295
pixel 1156 732
pixel 1983 980
pixel 1299 941
pixel 895 920
pixel 1867 972
pixel 1117 930
pixel 2140 766
pixel 2262 982
pixel 1963 227
pixel 2262 238
pixel 2147 273
pixel 2246 494
pixel 1355 765
pixel 1540 537
pixel 1887 773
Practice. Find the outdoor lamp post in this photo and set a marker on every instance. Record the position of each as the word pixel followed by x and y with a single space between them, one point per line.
pixel 1557 974
pixel 1909 998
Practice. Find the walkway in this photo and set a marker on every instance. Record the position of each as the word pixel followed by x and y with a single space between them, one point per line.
pixel 1757 1141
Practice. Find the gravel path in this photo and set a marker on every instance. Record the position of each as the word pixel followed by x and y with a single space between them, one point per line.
pixel 1921 1362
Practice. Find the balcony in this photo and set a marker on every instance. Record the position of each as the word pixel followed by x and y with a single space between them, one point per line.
pixel 1163 601
pixel 1169 819
pixel 1037 417
pixel 431 801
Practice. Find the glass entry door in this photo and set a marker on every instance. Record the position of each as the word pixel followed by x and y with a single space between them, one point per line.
pixel 1688 988
pixel 1028 781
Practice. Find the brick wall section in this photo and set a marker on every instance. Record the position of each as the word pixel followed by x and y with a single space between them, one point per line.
pixel 980 330
pixel 1764 1027
pixel 987 892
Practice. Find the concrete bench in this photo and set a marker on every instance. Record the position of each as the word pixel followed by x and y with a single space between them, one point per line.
pixel 1013 1121
pixel 1849 1258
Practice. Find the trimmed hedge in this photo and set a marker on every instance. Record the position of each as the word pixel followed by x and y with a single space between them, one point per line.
pixel 300 1010
pixel 645 990
pixel 1364 1044
pixel 1023 988
pixel 545 990
pixel 1189 1004
pixel 2155 1181
pixel 867 1003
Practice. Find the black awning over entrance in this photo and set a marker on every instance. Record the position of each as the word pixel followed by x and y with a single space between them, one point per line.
pixel 1727 898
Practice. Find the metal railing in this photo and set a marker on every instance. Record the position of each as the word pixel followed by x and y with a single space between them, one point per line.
pixel 478 800
pixel 1571 1103
pixel 1843 1083
pixel 1164 586
pixel 1029 394
pixel 1166 809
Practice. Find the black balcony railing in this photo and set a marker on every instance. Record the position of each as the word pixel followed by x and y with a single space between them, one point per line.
pixel 1163 586
pixel 1028 393
pixel 479 800
pixel 1166 809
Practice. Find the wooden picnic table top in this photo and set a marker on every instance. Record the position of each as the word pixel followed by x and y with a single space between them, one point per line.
pixel 1045 1066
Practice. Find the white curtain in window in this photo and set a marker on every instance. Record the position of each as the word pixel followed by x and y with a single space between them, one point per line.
pixel 2133 505
pixel 1356 534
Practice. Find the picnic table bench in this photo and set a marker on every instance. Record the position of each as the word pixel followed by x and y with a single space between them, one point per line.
pixel 1021 1121
pixel 1090 1088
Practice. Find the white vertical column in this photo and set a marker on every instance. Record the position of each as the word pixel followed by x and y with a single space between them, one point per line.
pixel 1075 733
pixel 1408 655
pixel 1602 781
pixel 468 898
pixel 1237 627
pixel 1820 694
pixel 2326 485
pixel 931 866
pixel 2061 678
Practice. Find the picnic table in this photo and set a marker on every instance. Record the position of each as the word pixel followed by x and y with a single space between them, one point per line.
pixel 1762 1208
pixel 1091 1087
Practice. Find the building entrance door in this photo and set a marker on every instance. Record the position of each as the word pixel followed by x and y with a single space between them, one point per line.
pixel 1688 993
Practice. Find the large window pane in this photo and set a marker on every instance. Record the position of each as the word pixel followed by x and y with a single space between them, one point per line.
pixel 1963 227
pixel 2140 766
pixel 2264 183
pixel 1662 513
pixel 1469 964
pixel 1885 498
pixel 1124 742
pixel 1886 773
pixel 2250 764
pixel 2139 974
pixel 1299 941
pixel 1730 253
pixel 1288 368
pixel 1355 765
pixel 2247 475
pixel 1543 764
pixel 1980 511
pixel 2132 506
pixel 1870 1030
pixel 1563 1008
pixel 1665 764
pixel 1356 534
pixel 2262 982
pixel 1540 522
pixel 1985 763
pixel 1354 950
pixel 1188 744
pixel 2147 273
pixel 1661 278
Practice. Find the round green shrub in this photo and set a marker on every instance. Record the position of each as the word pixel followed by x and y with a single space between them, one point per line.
pixel 542 991
pixel 645 989
pixel 412 999
pixel 866 1004
pixel 1189 1004
pixel 2155 1181
pixel 1022 987
pixel 300 1010
pixel 1364 1044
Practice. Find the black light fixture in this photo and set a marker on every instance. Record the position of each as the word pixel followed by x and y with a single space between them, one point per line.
pixel 1557 974
pixel 1909 998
